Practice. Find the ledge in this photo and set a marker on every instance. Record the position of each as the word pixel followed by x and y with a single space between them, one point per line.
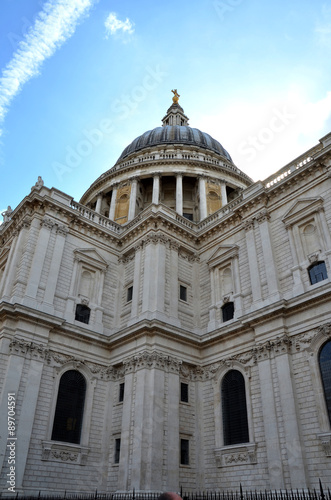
pixel 55 451
pixel 238 454
pixel 325 439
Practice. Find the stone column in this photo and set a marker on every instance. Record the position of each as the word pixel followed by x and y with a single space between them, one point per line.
pixel 149 271
pixel 172 425
pixel 133 199
pixel 173 281
pixel 274 456
pixel 196 292
pixel 13 260
pixel 179 194
pixel 203 198
pixel 113 203
pixel 268 256
pixel 325 235
pixel 252 261
pixel 136 280
pixel 156 189
pixel 298 287
pixel 128 443
pixel 55 268
pixel 154 278
pixel 212 324
pixel 98 205
pixel 294 450
pixel 28 410
pixel 38 261
pixel 224 194
pixel 11 385
pixel 237 296
pixel 148 431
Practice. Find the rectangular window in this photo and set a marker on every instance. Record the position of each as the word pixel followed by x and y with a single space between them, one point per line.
pixel 129 294
pixel 184 452
pixel 184 392
pixel 121 392
pixel 183 293
pixel 117 450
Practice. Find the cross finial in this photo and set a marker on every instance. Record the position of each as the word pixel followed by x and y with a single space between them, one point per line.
pixel 176 96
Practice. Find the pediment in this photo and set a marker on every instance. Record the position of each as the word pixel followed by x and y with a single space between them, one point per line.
pixel 223 254
pixel 90 256
pixel 302 208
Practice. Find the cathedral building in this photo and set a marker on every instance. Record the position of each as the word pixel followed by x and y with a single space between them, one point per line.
pixel 173 328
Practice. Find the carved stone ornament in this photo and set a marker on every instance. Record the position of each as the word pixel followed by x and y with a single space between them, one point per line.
pixel 313 257
pixel 64 452
pixel 244 454
pixel 262 216
pixel 248 224
pixel 325 439
pixel 47 223
pixel 152 360
pixel 325 329
pixel 62 229
pixel 42 353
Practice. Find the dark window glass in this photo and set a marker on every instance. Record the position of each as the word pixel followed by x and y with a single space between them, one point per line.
pixel 184 392
pixel 121 392
pixel 117 450
pixel 188 216
pixel 235 424
pixel 184 452
pixel 317 272
pixel 129 294
pixel 325 367
pixel 183 293
pixel 227 311
pixel 82 313
pixel 69 408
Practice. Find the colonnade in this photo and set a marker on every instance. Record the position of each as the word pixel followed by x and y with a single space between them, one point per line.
pixel 179 198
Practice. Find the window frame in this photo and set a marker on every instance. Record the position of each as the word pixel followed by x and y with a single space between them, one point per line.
pixel 228 415
pixel 86 308
pixel 183 288
pixel 327 397
pixel 88 405
pixel 78 413
pixel 185 463
pixel 315 265
pixel 224 308
pixel 182 400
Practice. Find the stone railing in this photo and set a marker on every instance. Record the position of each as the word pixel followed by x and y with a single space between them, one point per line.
pixel 220 213
pixel 292 167
pixel 95 217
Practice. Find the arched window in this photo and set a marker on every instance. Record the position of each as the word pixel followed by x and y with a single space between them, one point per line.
pixel 82 313
pixel 325 367
pixel 234 409
pixel 317 272
pixel 69 410
pixel 227 311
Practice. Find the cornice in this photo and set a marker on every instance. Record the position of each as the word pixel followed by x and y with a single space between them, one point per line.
pixel 156 360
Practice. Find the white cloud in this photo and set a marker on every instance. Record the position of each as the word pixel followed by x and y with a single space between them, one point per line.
pixel 113 25
pixel 323 28
pixel 53 26
pixel 262 137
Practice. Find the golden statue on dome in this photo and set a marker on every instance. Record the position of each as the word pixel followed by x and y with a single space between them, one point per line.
pixel 175 97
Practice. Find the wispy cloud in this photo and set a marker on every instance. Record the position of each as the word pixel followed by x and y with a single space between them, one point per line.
pixel 323 27
pixel 54 25
pixel 114 25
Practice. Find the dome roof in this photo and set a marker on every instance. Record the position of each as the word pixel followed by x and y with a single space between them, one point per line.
pixel 174 134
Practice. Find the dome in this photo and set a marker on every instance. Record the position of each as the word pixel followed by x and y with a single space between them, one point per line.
pixel 174 134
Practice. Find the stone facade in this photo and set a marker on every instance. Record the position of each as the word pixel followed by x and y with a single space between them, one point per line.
pixel 158 249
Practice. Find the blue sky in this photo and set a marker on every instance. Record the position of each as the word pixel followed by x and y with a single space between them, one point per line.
pixel 82 78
